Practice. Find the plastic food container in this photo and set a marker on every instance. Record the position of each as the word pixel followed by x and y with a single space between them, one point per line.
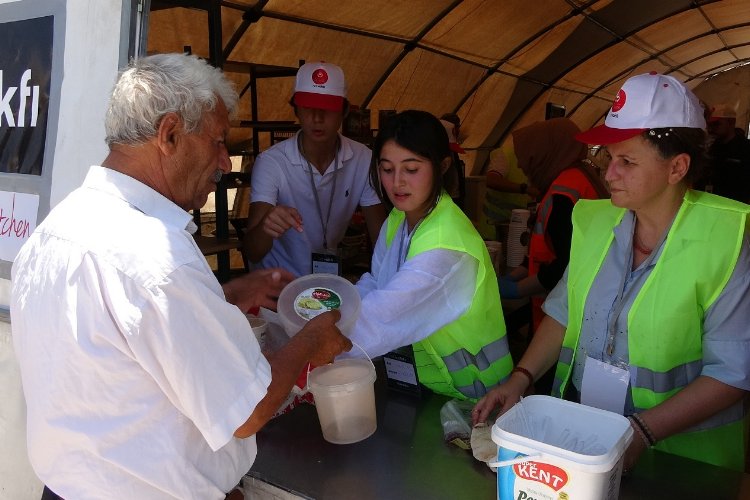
pixel 578 454
pixel 313 294
pixel 345 400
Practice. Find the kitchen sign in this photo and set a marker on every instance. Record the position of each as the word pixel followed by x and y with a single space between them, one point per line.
pixel 18 213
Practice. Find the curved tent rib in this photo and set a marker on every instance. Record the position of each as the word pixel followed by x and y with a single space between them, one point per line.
pixel 493 63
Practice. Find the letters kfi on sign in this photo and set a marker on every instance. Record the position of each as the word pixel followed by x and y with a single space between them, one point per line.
pixel 20 103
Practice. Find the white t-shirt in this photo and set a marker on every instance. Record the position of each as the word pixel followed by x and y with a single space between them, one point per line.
pixel 281 176
pixel 136 370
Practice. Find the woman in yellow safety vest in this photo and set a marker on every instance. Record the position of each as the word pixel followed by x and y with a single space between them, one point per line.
pixel 650 318
pixel 432 285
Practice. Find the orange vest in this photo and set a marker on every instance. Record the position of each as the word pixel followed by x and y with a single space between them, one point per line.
pixel 574 184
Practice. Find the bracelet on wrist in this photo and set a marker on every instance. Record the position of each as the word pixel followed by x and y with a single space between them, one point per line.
pixel 643 430
pixel 637 430
pixel 527 373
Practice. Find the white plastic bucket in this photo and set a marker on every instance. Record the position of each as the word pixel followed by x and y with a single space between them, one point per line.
pixel 533 469
pixel 345 399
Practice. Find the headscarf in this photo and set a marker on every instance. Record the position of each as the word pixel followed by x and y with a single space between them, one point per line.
pixel 546 148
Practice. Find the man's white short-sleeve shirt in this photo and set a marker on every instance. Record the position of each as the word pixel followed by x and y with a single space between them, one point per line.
pixel 136 370
pixel 281 176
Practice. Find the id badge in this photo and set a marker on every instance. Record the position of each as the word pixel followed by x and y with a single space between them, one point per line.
pixel 604 386
pixel 326 262
pixel 401 371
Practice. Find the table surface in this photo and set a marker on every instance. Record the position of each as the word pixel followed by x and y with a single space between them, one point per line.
pixel 407 458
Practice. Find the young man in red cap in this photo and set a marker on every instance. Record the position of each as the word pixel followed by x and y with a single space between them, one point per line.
pixel 305 189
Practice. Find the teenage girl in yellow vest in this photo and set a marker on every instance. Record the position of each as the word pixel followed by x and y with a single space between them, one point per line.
pixel 432 284
pixel 650 318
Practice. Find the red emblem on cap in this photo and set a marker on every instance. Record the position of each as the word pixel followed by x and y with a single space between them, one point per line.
pixel 319 76
pixel 619 101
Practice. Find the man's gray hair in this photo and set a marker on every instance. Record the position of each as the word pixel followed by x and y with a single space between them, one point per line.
pixel 155 85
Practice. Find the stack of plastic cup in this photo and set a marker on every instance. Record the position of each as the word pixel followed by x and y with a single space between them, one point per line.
pixel 495 249
pixel 518 237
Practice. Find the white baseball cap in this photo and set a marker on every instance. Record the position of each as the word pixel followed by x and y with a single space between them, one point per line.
pixel 722 111
pixel 320 85
pixel 450 128
pixel 645 102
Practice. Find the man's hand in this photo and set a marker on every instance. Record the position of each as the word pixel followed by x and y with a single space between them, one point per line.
pixel 318 343
pixel 259 288
pixel 325 338
pixel 281 218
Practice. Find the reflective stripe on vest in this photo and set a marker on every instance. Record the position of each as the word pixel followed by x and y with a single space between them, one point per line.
pixel 696 261
pixel 482 360
pixel 573 184
pixel 545 207
pixel 468 356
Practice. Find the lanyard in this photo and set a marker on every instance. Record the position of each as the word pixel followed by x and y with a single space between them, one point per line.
pixel 621 295
pixel 402 254
pixel 323 223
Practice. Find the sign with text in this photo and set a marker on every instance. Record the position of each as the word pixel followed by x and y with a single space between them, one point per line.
pixel 25 82
pixel 18 213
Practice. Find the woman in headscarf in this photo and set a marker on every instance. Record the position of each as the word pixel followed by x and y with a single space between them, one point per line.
pixel 553 161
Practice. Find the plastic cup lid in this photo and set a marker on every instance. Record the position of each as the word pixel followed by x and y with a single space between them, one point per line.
pixel 313 294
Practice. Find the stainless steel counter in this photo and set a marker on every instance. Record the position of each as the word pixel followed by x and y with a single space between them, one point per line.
pixel 406 458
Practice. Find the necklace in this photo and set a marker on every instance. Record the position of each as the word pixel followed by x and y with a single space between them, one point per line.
pixel 639 246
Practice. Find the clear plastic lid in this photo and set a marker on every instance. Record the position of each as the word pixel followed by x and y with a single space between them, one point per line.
pixel 313 294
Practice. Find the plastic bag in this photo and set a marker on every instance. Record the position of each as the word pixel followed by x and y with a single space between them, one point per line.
pixel 455 416
pixel 483 447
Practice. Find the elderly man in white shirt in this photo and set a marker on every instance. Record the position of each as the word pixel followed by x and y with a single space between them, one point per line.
pixel 141 373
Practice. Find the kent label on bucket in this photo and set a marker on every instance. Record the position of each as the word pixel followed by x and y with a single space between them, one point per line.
pixel 530 480
pixel 313 301
pixel 552 449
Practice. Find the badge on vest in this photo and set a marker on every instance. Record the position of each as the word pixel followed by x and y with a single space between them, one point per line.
pixel 401 371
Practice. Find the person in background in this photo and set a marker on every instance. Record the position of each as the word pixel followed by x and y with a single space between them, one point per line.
pixel 554 162
pixel 650 319
pixel 729 171
pixel 432 285
pixel 500 176
pixel 507 189
pixel 454 179
pixel 318 172
pixel 141 374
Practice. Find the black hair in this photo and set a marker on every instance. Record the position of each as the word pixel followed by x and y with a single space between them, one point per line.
pixel 672 141
pixel 421 133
